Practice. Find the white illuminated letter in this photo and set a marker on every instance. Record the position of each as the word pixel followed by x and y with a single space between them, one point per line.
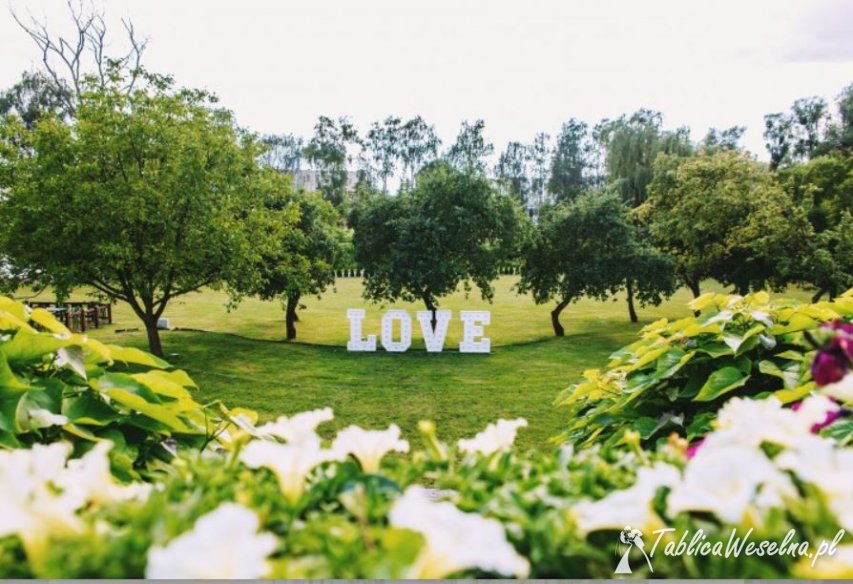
pixel 434 340
pixel 388 341
pixel 472 327
pixel 356 342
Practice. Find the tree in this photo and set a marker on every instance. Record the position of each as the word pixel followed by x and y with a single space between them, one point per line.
pixel 727 139
pixel 839 134
pixel 418 146
pixel 471 148
pixel 631 145
pixel 383 143
pixel 144 196
pixel 327 151
pixel 589 247
pixel 572 161
pixel 33 97
pixel 511 172
pixel 453 228
pixel 822 189
pixel 714 213
pixel 283 152
pixel 539 157
pixel 809 115
pixel 307 254
pixel 778 138
pixel 74 62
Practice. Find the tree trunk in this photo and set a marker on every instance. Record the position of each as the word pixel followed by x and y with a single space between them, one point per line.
pixel 555 318
pixel 430 305
pixel 694 288
pixel 818 295
pixel 632 312
pixel 154 344
pixel 290 316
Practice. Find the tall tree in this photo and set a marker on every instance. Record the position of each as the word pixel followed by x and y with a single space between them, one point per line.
pixel 144 196
pixel 76 60
pixel 823 189
pixel 468 154
pixel 590 248
pixel 328 154
pixel 540 160
pixel 304 261
pixel 572 161
pixel 383 143
pixel 33 97
pixel 839 135
pixel 512 175
pixel 631 145
pixel 418 146
pixel 778 139
pixel 713 213
pixel 283 152
pixel 726 139
pixel 809 117
pixel 453 228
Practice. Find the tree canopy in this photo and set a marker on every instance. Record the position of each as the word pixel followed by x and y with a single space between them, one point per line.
pixel 589 247
pixel 144 195
pixel 453 228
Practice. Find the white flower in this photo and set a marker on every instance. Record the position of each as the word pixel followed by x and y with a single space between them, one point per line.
pixel 297 427
pixel 750 422
pixel 730 481
pixel 631 506
pixel 89 478
pixel 454 541
pixel 817 461
pixel 30 505
pixel 841 390
pixel 291 463
pixel 41 418
pixel 497 437
pixel 225 543
pixel 369 446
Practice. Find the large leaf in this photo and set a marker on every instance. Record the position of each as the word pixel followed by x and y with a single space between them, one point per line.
pixel 30 346
pixel 136 357
pixel 720 382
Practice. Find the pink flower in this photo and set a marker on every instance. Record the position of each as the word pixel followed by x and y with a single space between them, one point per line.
pixel 829 365
pixel 693 448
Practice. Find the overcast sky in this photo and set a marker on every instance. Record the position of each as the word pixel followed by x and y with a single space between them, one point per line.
pixel 523 66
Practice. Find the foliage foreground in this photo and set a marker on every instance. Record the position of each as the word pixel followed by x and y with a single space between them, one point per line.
pixel 145 481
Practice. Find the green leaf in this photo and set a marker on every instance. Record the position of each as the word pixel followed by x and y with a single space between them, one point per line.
pixel 8 380
pixel 88 409
pixel 136 357
pixel 720 382
pixel 29 347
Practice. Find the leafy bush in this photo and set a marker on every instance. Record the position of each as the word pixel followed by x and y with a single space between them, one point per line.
pixel 56 385
pixel 678 374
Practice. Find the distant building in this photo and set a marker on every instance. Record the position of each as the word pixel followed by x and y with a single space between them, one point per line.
pixel 309 180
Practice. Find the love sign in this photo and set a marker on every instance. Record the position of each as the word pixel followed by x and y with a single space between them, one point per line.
pixel 473 322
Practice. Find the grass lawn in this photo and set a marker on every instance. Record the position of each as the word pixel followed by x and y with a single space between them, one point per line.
pixel 239 357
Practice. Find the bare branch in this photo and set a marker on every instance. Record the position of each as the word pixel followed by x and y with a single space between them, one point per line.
pixel 69 60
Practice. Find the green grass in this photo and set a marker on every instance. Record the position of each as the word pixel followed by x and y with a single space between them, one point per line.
pixel 239 357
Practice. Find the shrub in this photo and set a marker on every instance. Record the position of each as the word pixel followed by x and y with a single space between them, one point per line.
pixel 56 385
pixel 679 373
